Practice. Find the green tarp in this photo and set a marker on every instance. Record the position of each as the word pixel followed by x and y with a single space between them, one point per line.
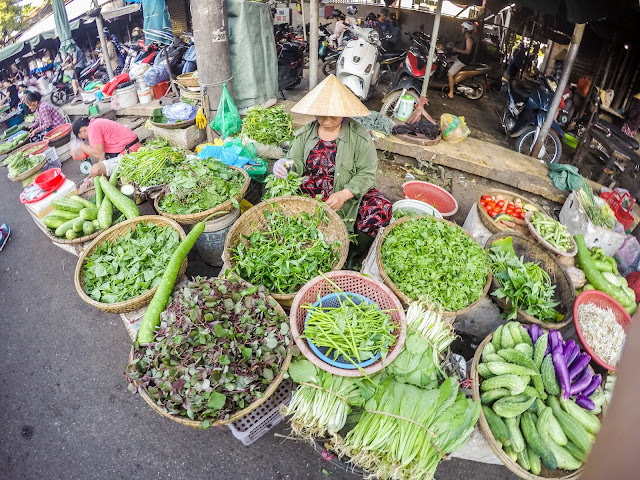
pixel 254 64
pixel 14 50
pixel 63 28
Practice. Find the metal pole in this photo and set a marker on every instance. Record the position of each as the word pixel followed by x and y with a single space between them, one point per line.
pixel 211 40
pixel 103 42
pixel 432 49
pixel 576 38
pixel 304 23
pixel 314 28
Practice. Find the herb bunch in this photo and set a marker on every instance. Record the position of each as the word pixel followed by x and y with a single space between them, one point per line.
pixel 269 126
pixel 282 187
pixel 220 344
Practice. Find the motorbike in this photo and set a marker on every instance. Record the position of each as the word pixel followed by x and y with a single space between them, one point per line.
pixel 525 112
pixel 291 57
pixel 358 67
pixel 469 82
pixel 62 92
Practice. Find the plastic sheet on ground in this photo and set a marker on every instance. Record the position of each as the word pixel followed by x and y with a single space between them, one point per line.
pixel 473 224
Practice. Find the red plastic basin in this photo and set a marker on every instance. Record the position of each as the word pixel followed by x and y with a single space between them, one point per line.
pixel 51 178
pixel 432 194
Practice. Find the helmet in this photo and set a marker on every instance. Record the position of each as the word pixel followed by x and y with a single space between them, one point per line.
pixel 352 10
pixel 136 32
pixel 335 13
pixel 468 26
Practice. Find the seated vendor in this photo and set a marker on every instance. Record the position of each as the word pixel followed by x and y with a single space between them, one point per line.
pixel 107 140
pixel 339 159
pixel 47 116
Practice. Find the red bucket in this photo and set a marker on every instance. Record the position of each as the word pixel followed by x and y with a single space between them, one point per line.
pixel 431 194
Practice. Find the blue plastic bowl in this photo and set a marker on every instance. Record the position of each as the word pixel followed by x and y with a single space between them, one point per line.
pixel 333 300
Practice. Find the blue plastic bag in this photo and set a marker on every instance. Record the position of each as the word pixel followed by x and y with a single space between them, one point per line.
pixel 229 156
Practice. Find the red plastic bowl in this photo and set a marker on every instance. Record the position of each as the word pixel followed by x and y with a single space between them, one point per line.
pixel 42 146
pixel 51 178
pixel 602 300
pixel 432 194
pixel 58 132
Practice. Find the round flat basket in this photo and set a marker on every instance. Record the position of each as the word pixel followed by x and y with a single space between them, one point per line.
pixel 253 220
pixel 509 197
pixel 76 241
pixel 174 126
pixel 59 136
pixel 194 218
pixel 24 175
pixel 110 235
pixel 547 245
pixel 529 249
pixel 236 416
pixel 497 449
pixel 188 80
pixel 403 297
pixel 355 283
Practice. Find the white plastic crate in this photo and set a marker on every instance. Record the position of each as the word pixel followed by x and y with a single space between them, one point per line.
pixel 250 428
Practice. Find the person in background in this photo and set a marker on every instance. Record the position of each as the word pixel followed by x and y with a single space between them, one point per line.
pixel 5 231
pixel 464 55
pixel 395 32
pixel 384 24
pixel 47 117
pixel 107 140
pixel 632 118
pixel 77 61
pixel 112 56
pixel 341 27
pixel 11 92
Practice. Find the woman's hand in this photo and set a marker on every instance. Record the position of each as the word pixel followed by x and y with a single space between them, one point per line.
pixel 31 133
pixel 337 200
pixel 281 167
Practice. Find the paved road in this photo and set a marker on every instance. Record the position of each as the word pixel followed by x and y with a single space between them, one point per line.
pixel 65 412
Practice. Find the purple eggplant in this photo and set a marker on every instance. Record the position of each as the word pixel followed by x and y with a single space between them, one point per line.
pixel 535 332
pixel 573 354
pixel 578 366
pixel 585 402
pixel 555 338
pixel 581 382
pixel 560 364
pixel 568 348
pixel 595 383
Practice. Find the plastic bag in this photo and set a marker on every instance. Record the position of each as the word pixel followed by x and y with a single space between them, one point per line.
pixel 248 150
pixel 229 156
pixel 179 112
pixel 227 120
pixel 628 255
pixel 454 129
pixel 156 75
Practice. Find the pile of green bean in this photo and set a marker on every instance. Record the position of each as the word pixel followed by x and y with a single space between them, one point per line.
pixel 552 231
pixel 150 167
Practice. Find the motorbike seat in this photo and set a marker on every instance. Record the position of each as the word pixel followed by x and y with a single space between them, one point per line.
pixel 391 54
pixel 475 66
pixel 618 134
pixel 520 92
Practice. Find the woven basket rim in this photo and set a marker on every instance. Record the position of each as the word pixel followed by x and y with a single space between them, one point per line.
pixel 174 126
pixel 402 296
pixel 193 218
pixel 522 316
pixel 117 230
pixel 28 173
pixel 334 219
pixel 239 414
pixel 306 351
pixel 486 431
pixel 20 145
pixel 571 253
pixel 45 144
pixel 488 222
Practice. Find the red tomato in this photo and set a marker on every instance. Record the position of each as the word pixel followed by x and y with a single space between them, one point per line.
pixel 509 208
pixel 491 204
pixel 522 215
pixel 500 203
pixel 517 211
pixel 495 211
pixel 482 202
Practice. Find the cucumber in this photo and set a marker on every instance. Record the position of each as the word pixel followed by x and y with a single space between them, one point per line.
pixel 549 379
pixel 517 442
pixel 496 340
pixel 539 386
pixel 525 349
pixel 89 213
pixel 96 225
pixel 511 453
pixel 512 406
pixel 555 431
pixel 575 451
pixel 587 419
pixel 503 368
pixel 513 383
pixel 598 398
pixel 484 371
pixel 53 221
pixel 534 461
pixel 523 460
pixel 64 214
pixel 493 357
pixel 540 348
pixel 77 224
pixel 497 426
pixel 492 395
pixel 514 331
pixel 564 459
pixel 98 189
pixel 515 356
pixel 68 205
pixel 62 229
pixel 105 214
pixel 120 201
pixel 70 234
pixel 79 199
pixel 526 338
pixel 533 439
pixel 488 349
pixel 531 392
pixel 507 340
pixel 87 227
pixel 570 426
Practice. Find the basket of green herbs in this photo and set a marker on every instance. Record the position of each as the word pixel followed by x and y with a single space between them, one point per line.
pixel 425 258
pixel 200 188
pixel 222 350
pixel 284 242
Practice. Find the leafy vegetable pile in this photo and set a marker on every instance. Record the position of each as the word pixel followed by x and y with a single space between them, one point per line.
pixel 290 252
pixel 22 163
pixel 131 265
pixel 218 348
pixel 281 187
pixel 11 157
pixel 148 167
pixel 198 185
pixel 432 260
pixel 526 285
pixel 270 126
pixel 601 216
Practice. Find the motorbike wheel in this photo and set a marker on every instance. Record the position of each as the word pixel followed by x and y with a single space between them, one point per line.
pixel 60 97
pixel 388 107
pixel 329 67
pixel 551 148
pixel 478 91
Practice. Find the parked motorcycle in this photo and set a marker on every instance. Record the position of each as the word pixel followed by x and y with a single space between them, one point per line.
pixel 359 64
pixel 291 56
pixel 62 92
pixel 525 112
pixel 469 82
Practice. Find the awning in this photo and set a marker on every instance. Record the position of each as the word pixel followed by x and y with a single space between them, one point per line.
pixel 14 50
pixel 67 45
pixel 119 12
pixel 157 25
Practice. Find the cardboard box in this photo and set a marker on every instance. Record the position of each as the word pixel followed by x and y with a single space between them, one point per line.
pixel 43 208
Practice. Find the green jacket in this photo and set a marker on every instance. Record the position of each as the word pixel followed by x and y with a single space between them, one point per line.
pixel 356 162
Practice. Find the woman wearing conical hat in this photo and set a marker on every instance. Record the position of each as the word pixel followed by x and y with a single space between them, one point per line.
pixel 339 159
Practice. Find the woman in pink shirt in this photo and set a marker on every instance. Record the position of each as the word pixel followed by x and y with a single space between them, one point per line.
pixel 107 140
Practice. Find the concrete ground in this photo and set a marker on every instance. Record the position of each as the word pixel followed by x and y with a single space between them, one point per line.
pixel 65 409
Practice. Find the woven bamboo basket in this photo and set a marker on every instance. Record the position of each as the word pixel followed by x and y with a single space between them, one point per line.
pixel 509 197
pixel 20 145
pixel 87 238
pixel 253 220
pixel 529 249
pixel 194 218
pixel 236 416
pixel 404 298
pixel 547 245
pixel 493 443
pixel 188 80
pixel 110 235
pixel 24 175
pixel 174 126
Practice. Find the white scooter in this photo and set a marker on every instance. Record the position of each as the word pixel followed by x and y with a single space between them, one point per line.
pixel 359 66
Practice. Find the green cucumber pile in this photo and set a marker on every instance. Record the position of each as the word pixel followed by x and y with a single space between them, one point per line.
pixel 539 397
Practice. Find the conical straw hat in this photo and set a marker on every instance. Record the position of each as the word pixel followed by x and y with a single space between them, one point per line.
pixel 331 98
